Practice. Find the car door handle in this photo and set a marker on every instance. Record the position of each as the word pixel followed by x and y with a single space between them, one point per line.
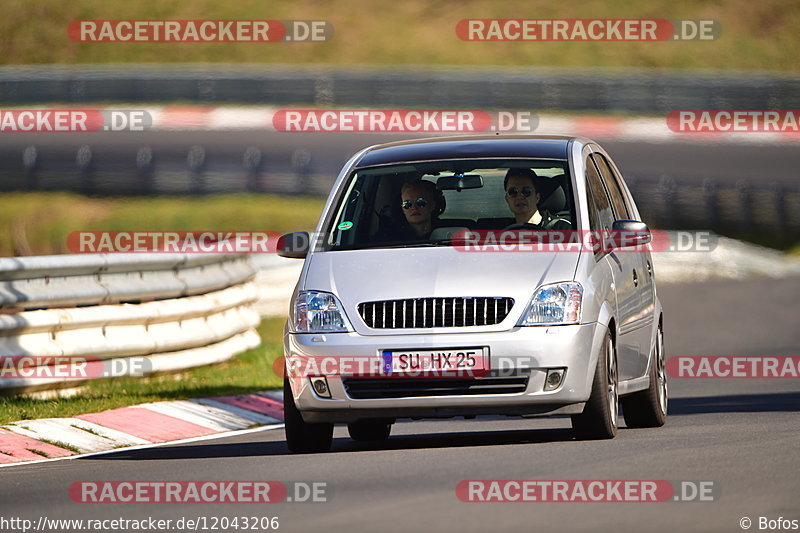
pixel 635 278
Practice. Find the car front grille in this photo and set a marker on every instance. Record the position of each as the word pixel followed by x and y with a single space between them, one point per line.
pixel 401 387
pixel 420 313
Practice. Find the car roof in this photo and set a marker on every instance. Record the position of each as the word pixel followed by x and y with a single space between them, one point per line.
pixel 467 147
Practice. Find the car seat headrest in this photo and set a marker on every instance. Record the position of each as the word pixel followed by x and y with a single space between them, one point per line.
pixel 552 195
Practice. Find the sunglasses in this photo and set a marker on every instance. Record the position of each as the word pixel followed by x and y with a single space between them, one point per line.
pixel 420 202
pixel 513 191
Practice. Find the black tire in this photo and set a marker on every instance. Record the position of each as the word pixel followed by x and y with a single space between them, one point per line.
pixel 366 430
pixel 302 437
pixel 648 408
pixel 599 417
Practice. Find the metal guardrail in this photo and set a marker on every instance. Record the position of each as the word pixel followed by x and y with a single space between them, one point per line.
pixel 743 206
pixel 685 202
pixel 190 310
pixel 90 279
pixel 542 89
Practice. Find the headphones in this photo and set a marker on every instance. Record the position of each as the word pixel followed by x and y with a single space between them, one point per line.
pixel 441 203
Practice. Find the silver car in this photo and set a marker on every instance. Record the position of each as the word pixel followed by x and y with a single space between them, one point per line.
pixel 474 275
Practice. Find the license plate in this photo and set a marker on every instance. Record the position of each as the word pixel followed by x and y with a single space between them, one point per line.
pixel 459 360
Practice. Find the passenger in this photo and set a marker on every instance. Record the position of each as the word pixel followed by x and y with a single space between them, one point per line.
pixel 523 199
pixel 421 203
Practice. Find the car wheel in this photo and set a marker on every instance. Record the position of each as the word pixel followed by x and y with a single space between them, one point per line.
pixel 648 408
pixel 365 430
pixel 302 437
pixel 599 417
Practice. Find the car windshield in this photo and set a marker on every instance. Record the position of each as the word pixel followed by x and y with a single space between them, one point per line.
pixel 426 203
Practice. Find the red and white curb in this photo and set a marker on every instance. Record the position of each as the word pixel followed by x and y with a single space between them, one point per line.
pixel 626 129
pixel 138 426
pixel 640 129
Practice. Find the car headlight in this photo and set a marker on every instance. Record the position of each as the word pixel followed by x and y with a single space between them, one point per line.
pixel 557 303
pixel 319 312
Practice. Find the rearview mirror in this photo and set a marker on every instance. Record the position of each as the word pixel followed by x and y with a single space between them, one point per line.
pixel 459 183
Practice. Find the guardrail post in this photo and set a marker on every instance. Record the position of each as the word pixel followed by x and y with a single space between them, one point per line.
pixel 30 162
pixel 206 90
pixel 83 158
pixel 196 159
pixel 666 190
pixel 145 165
pixel 251 160
pixel 323 90
pixel 711 202
pixel 779 200
pixel 745 193
pixel 301 163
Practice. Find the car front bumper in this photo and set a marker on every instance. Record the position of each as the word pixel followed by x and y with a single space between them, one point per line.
pixel 530 351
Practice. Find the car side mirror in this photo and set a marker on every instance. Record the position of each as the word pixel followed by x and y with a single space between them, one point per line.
pixel 294 245
pixel 627 233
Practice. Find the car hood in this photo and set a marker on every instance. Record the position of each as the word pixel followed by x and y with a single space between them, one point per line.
pixel 358 276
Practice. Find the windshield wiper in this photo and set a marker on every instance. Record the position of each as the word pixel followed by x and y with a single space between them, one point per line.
pixel 367 246
pixel 405 245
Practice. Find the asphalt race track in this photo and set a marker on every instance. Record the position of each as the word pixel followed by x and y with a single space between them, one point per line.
pixel 741 434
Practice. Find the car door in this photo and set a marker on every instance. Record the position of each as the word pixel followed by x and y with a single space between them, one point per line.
pixel 641 324
pixel 647 289
pixel 623 266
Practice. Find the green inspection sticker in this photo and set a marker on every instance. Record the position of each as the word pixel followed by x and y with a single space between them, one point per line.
pixel 345 226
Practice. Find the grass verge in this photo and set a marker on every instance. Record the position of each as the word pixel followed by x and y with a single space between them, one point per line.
pixel 755 35
pixel 38 223
pixel 250 371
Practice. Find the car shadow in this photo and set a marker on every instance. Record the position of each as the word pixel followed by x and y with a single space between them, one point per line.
pixel 462 439
pixel 745 403
pixel 342 444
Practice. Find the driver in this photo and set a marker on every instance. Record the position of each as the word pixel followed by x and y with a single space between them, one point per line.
pixel 522 196
pixel 523 199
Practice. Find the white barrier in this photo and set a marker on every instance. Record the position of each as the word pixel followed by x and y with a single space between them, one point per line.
pixel 190 310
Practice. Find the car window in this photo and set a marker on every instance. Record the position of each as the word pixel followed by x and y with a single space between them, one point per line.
pixel 488 202
pixel 615 190
pixel 592 211
pixel 604 212
pixel 370 213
